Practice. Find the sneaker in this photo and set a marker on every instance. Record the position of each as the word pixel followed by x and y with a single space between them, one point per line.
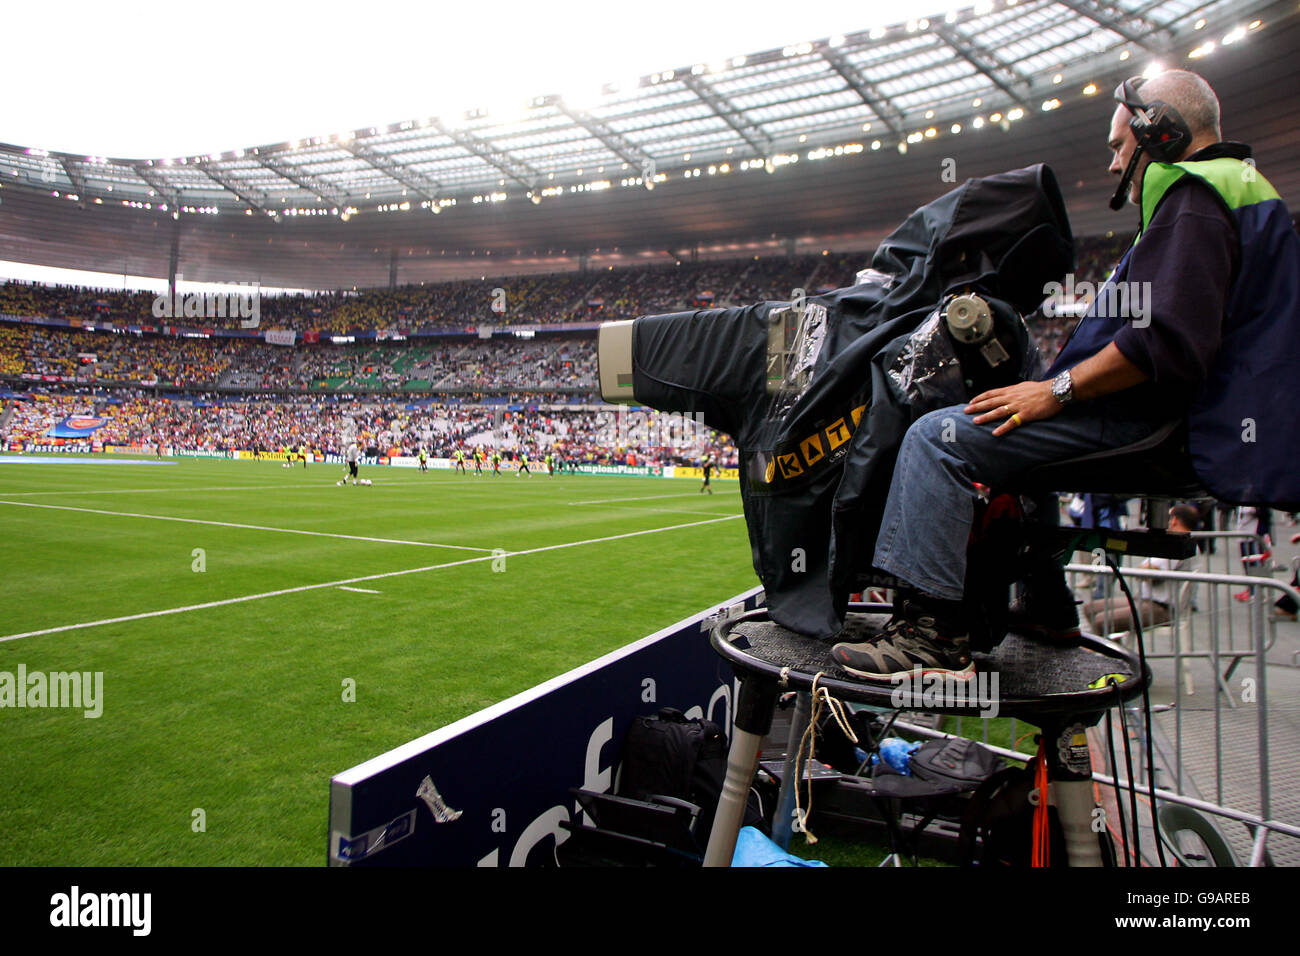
pixel 1055 622
pixel 907 643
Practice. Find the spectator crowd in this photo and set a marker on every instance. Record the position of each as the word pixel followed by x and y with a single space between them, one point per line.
pixel 576 435
pixel 538 393
pixel 571 297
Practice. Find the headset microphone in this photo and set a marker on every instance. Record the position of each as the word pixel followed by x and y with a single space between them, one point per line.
pixel 1121 191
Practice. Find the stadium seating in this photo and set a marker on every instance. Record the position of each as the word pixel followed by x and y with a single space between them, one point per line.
pixel 509 300
pixel 433 391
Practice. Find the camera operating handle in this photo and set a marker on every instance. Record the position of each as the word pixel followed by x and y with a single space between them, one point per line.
pixel 970 322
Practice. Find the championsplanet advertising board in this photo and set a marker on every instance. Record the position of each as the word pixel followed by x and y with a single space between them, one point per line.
pixel 333 458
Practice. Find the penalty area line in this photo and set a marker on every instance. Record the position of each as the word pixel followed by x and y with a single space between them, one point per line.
pixel 178 490
pixel 500 554
pixel 388 482
pixel 246 527
pixel 605 501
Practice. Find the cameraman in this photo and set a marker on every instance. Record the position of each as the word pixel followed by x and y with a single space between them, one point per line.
pixel 1113 383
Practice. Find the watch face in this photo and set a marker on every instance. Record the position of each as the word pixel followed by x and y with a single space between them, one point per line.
pixel 1062 387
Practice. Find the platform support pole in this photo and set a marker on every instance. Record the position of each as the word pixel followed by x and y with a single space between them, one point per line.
pixel 1074 806
pixel 792 772
pixel 1069 763
pixel 753 720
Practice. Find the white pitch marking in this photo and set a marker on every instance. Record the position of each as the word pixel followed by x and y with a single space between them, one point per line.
pixel 248 527
pixel 359 590
pixel 605 501
pixel 368 577
pixel 642 509
pixel 388 482
pixel 151 491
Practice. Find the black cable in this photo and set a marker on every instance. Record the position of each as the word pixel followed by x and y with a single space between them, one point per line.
pixel 1132 787
pixel 1146 713
pixel 1114 770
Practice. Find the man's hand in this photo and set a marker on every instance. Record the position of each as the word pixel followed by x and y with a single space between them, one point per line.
pixel 1018 404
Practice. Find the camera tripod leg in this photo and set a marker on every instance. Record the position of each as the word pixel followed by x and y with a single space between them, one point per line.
pixel 1069 765
pixel 1074 806
pixel 754 710
pixel 783 819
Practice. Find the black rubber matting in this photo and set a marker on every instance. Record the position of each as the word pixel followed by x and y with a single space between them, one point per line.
pixel 1022 677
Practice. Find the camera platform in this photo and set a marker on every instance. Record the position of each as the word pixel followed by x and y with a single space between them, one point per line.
pixel 1062 689
pixel 1034 679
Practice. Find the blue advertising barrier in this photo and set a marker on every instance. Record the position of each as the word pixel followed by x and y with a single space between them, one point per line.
pixel 492 789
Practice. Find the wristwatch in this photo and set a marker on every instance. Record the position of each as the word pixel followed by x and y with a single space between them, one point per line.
pixel 1063 388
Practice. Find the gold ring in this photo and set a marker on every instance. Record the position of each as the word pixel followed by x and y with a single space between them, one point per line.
pixel 1016 418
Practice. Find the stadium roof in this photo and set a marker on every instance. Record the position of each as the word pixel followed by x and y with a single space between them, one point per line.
pixel 681 158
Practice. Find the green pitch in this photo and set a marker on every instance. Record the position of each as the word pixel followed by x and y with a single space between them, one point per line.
pixel 229 647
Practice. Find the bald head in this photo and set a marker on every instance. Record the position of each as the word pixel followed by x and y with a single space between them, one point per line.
pixel 1194 100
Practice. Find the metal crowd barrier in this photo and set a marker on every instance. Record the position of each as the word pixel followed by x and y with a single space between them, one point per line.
pixel 1261 826
pixel 1199 629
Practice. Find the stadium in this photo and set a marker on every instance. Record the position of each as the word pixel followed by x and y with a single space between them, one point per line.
pixel 308 457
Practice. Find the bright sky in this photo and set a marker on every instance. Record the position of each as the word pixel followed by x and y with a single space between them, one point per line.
pixel 159 78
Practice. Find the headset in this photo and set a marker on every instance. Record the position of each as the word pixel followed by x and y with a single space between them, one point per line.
pixel 1159 129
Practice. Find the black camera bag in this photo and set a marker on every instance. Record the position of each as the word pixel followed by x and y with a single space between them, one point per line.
pixel 955 763
pixel 668 755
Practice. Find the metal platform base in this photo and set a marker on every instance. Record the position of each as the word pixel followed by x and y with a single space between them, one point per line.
pixel 1061 689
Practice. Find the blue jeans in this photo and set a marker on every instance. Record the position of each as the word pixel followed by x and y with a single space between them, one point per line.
pixel 931 504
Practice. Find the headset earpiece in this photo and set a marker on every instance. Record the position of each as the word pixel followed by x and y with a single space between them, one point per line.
pixel 1157 126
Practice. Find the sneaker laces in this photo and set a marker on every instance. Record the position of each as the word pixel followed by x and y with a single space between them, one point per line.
pixel 916 624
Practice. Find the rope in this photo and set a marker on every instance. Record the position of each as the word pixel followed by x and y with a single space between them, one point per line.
pixel 820 696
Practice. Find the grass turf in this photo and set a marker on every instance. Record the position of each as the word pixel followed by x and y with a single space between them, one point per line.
pixel 237 709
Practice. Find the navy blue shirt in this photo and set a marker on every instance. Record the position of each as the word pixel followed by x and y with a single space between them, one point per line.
pixel 1180 275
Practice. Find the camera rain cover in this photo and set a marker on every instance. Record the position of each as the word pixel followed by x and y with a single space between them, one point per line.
pixel 818 393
